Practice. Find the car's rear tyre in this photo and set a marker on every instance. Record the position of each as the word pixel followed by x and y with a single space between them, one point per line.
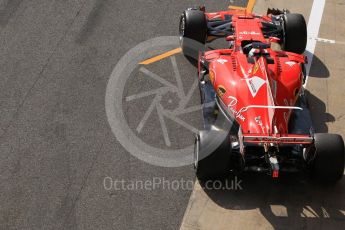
pixel 295 30
pixel 328 162
pixel 212 154
pixel 193 32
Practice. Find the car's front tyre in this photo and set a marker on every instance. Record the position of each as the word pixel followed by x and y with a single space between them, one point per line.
pixel 193 32
pixel 295 33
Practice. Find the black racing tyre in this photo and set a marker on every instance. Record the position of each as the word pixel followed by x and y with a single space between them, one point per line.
pixel 193 32
pixel 295 30
pixel 212 163
pixel 328 163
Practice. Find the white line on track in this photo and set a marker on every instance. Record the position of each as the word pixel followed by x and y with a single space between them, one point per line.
pixel 324 40
pixel 313 31
pixel 329 41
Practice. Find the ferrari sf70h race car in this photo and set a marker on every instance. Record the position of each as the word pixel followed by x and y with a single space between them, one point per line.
pixel 255 110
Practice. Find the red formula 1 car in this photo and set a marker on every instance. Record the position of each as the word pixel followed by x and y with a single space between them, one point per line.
pixel 255 112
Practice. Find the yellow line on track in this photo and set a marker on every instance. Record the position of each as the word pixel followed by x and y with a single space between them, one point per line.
pixel 162 56
pixel 250 6
pixel 248 9
pixel 237 8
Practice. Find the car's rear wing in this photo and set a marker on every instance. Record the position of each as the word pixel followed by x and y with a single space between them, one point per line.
pixel 278 139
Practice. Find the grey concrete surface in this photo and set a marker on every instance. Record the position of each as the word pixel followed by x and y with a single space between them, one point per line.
pixel 56 146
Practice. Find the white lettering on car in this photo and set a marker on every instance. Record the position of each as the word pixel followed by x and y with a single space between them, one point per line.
pixel 222 61
pixel 249 33
pixel 237 114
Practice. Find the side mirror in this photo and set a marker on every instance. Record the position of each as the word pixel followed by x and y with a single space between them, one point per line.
pixel 274 39
pixel 230 38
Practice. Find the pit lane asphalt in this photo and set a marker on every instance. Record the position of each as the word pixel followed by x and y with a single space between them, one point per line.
pixel 56 146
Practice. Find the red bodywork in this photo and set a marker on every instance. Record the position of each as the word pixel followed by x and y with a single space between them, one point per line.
pixel 259 95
